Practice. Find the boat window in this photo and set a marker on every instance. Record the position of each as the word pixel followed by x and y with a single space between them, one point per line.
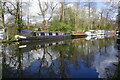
pixel 50 44
pixel 42 33
pixel 56 43
pixel 33 34
pixel 56 33
pixel 37 34
pixel 50 34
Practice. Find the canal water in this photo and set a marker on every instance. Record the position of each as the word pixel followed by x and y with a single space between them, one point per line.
pixel 90 57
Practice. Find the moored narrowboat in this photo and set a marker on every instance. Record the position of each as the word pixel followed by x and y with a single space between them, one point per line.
pixel 78 35
pixel 91 32
pixel 37 35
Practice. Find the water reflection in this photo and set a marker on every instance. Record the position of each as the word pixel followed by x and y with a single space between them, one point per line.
pixel 1 47
pixel 77 58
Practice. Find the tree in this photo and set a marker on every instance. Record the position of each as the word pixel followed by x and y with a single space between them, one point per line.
pixel 28 16
pixel 90 5
pixel 70 17
pixel 56 25
pixel 62 11
pixel 118 16
pixel 2 11
pixel 16 12
pixel 44 7
pixel 112 8
pixel 77 20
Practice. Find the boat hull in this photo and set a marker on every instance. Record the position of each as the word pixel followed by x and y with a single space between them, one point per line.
pixel 45 38
pixel 78 36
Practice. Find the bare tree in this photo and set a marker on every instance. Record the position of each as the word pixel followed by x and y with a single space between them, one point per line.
pixel 90 6
pixel 77 20
pixel 112 7
pixel 28 16
pixel 62 11
pixel 52 7
pixel 16 12
pixel 2 9
pixel 44 7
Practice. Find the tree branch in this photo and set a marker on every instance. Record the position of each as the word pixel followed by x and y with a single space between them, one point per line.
pixel 12 4
pixel 52 9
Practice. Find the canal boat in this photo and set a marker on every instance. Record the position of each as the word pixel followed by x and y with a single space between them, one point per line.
pixel 97 32
pixel 100 32
pixel 107 32
pixel 117 33
pixel 91 32
pixel 118 37
pixel 89 37
pixel 78 35
pixel 38 35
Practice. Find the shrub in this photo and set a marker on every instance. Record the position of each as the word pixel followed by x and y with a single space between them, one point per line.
pixel 56 25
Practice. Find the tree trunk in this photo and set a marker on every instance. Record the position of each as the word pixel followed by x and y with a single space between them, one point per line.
pixel 2 14
pixel 89 9
pixel 119 16
pixel 28 16
pixel 3 19
pixel 62 11
pixel 18 20
pixel 89 15
pixel 21 20
pixel 76 16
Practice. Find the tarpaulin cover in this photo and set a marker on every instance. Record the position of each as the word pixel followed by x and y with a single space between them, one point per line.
pixel 26 31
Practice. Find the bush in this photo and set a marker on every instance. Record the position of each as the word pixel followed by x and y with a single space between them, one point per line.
pixel 56 25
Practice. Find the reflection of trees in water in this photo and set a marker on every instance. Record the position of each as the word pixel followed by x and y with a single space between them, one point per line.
pixel 63 65
pixel 1 52
pixel 82 51
pixel 106 58
pixel 15 59
pixel 8 59
pixel 88 48
pixel 74 52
